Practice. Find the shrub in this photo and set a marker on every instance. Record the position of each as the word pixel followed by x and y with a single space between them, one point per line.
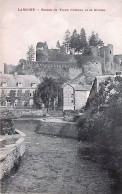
pixel 103 126
pixel 7 124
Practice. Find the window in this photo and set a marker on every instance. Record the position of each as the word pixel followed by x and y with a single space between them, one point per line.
pixel 16 102
pixel 33 85
pixel 7 93
pixel 31 102
pixel 31 93
pixel 4 84
pixel 16 93
pixel 23 103
pixel 19 84
pixel 110 52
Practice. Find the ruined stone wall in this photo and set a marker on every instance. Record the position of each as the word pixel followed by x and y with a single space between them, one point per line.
pixel 91 70
pixel 74 72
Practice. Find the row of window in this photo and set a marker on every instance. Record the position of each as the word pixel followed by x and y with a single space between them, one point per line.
pixel 16 94
pixel 18 84
pixel 23 102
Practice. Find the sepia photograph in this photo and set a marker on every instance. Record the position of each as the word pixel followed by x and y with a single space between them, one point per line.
pixel 61 96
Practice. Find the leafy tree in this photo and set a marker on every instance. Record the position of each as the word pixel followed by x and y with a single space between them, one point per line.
pixel 62 49
pixel 102 124
pixel 3 98
pixel 66 41
pixel 30 53
pixel 20 98
pixel 12 97
pixel 48 91
pixel 37 99
pixel 26 98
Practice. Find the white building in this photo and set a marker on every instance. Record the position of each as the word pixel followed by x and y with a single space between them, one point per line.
pixel 75 96
pixel 17 90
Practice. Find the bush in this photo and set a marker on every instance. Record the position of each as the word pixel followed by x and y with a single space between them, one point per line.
pixel 7 124
pixel 103 126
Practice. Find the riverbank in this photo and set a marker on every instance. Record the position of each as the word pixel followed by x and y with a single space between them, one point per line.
pixel 52 165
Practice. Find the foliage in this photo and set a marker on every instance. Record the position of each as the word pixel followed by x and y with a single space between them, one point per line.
pixel 94 40
pixel 82 38
pixel 12 97
pixel 7 124
pixel 102 123
pixel 3 98
pixel 20 97
pixel 26 98
pixel 47 92
pixel 75 41
pixel 58 45
pixel 30 53
pixel 66 42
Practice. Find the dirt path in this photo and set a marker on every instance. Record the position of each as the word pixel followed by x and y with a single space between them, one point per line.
pixel 51 165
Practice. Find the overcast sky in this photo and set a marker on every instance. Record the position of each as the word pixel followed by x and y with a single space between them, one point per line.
pixel 19 29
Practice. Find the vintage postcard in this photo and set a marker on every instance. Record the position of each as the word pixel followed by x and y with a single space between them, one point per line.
pixel 61 96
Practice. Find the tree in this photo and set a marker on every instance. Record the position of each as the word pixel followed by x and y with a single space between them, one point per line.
pixel 66 41
pixel 30 53
pixel 3 98
pixel 94 40
pixel 26 98
pixel 83 42
pixel 110 91
pixel 20 98
pixel 58 46
pixel 48 91
pixel 12 97
pixel 75 41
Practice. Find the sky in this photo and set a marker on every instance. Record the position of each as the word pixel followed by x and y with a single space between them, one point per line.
pixel 20 29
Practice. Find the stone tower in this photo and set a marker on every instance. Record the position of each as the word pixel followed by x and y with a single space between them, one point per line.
pixel 94 51
pixel 106 52
pixel 41 52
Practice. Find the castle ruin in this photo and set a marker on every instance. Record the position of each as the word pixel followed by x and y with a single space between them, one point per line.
pixel 57 64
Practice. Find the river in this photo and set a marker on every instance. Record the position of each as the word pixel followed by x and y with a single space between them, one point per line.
pixel 52 165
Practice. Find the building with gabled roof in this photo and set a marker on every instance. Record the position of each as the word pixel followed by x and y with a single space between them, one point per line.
pixel 75 96
pixel 16 91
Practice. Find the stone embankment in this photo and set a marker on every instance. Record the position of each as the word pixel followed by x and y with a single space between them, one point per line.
pixel 10 154
pixel 57 127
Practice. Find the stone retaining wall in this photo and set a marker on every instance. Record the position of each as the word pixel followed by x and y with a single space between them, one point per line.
pixel 61 129
pixel 11 154
pixel 27 113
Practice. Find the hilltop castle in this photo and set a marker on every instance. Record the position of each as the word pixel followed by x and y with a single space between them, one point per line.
pixel 57 64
